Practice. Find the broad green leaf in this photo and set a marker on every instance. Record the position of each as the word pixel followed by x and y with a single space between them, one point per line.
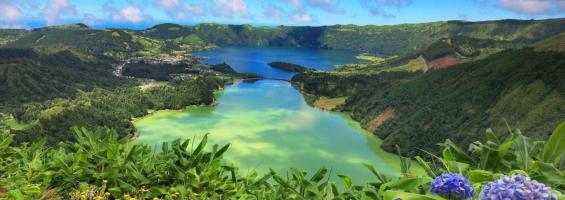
pixel 426 166
pixel 346 180
pixel 380 176
pixel 319 175
pixel 480 176
pixel 492 137
pixel 406 183
pixel 555 146
pixel 521 146
pixel 394 194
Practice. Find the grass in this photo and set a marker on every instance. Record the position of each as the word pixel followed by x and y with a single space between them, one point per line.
pixel 370 58
pixel 329 103
pixel 12 123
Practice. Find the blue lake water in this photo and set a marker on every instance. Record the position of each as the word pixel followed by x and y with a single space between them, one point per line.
pixel 269 124
pixel 256 59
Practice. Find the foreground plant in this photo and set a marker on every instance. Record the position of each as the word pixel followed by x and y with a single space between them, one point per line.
pixel 516 187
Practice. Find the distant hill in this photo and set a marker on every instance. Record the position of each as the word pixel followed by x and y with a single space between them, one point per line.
pixel 524 87
pixel 10 35
pixel 440 54
pixel 27 76
pixel 107 42
pixel 386 40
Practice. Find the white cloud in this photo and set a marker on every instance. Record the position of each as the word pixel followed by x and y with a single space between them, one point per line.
pixel 9 12
pixel 181 10
pixel 301 17
pixel 379 11
pixel 231 8
pixel 89 19
pixel 130 13
pixel 395 2
pixel 275 13
pixel 377 7
pixel 57 8
pixel 530 7
pixel 279 14
pixel 326 5
pixel 295 3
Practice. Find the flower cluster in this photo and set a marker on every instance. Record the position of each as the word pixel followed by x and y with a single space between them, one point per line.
pixel 452 186
pixel 516 187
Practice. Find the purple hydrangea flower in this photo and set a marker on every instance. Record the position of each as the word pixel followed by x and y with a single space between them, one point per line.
pixel 452 186
pixel 516 187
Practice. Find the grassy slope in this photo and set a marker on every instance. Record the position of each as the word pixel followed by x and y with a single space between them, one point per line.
pixel 555 43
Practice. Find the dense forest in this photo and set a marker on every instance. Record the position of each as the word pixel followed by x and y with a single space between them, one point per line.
pixel 520 87
pixel 109 108
pixel 385 40
pixel 290 67
pixel 27 75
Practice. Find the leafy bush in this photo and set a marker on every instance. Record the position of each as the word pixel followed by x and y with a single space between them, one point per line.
pixel 101 166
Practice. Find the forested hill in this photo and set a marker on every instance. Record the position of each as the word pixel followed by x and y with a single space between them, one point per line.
pixel 27 75
pixel 524 88
pixel 383 40
pixel 387 40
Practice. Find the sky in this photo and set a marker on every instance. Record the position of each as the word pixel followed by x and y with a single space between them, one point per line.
pixel 140 14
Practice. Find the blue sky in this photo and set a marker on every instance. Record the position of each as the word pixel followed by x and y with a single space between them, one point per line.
pixel 145 13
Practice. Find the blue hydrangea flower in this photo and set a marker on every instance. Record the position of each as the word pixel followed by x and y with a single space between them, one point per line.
pixel 516 187
pixel 452 186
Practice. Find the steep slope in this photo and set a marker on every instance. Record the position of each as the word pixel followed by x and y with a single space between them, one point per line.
pixel 555 43
pixel 385 40
pixel 440 54
pixel 523 87
pixel 26 75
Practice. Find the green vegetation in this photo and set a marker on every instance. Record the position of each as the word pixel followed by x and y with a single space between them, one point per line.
pixel 289 67
pixel 381 40
pixel 28 76
pixel 329 103
pixel 224 68
pixel 522 87
pixel 440 54
pixel 555 43
pixel 101 166
pixel 9 35
pixel 109 108
pixel 159 72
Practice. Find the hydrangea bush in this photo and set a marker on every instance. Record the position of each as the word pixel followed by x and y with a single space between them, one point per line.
pixel 452 186
pixel 516 187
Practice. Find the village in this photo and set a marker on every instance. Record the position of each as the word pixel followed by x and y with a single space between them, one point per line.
pixel 193 64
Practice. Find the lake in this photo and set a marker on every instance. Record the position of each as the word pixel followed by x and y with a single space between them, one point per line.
pixel 269 125
pixel 256 59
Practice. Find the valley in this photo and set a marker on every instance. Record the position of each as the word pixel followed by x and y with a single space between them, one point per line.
pixel 308 112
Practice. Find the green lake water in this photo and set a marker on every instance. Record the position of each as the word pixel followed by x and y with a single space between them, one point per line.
pixel 269 125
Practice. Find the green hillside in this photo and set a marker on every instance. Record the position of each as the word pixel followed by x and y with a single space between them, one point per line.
pixel 386 40
pixel 107 42
pixel 440 54
pixel 9 35
pixel 27 76
pixel 523 87
pixel 555 43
